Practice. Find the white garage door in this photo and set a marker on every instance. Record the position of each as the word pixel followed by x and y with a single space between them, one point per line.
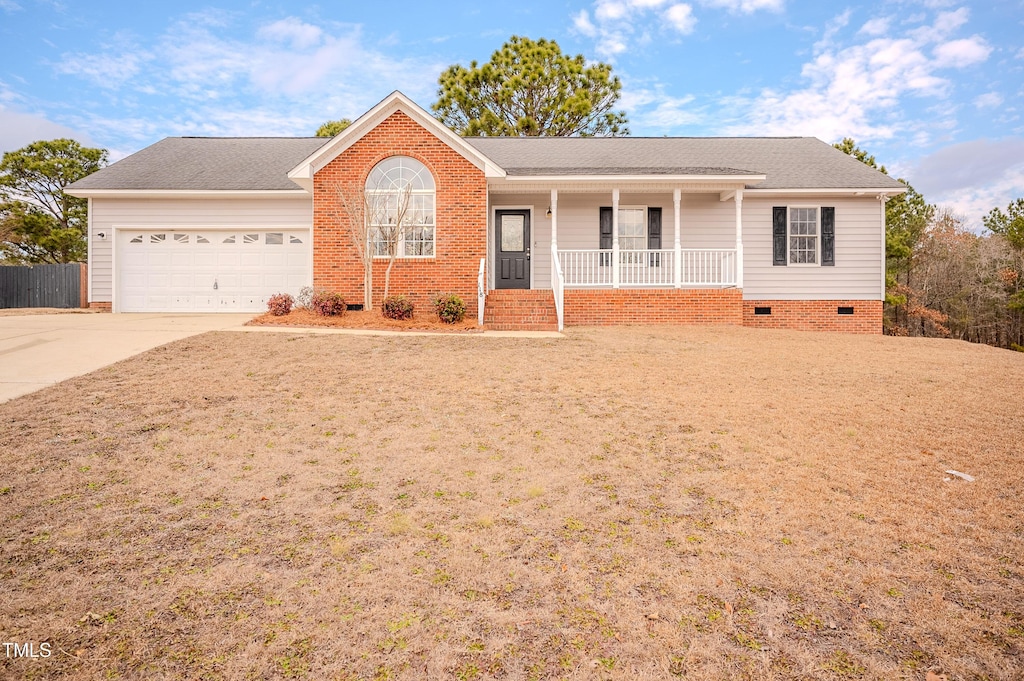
pixel 209 271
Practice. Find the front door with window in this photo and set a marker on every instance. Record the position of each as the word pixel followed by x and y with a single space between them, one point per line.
pixel 512 249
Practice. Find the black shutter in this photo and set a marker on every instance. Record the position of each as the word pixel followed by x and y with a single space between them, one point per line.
pixel 654 234
pixel 606 227
pixel 606 234
pixel 828 236
pixel 779 235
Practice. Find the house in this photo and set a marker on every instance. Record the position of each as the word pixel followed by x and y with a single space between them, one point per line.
pixel 531 232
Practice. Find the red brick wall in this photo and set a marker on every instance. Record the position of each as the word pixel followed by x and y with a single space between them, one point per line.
pixel 460 219
pixel 100 306
pixel 584 307
pixel 815 315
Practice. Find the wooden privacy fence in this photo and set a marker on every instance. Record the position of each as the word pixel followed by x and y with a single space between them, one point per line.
pixel 43 286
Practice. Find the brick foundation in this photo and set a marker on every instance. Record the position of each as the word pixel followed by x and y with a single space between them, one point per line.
pixel 460 238
pixel 606 307
pixel 815 315
pixel 106 307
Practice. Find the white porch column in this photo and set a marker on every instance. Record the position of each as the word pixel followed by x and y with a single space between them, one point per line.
pixel 615 238
pixel 739 238
pixel 677 270
pixel 554 221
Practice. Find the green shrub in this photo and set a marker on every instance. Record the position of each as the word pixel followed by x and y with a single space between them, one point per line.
pixel 449 308
pixel 327 304
pixel 280 304
pixel 397 307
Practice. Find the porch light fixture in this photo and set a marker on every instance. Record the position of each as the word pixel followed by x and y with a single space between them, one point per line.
pixel 548 214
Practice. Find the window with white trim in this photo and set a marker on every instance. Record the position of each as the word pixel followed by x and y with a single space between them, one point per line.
pixel 400 198
pixel 803 236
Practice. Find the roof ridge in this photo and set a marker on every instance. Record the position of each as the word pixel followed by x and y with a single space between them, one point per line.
pixel 250 137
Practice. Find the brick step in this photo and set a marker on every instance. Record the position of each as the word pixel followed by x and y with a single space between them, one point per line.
pixel 518 310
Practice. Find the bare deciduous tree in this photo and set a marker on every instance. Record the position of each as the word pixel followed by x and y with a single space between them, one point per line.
pixel 378 221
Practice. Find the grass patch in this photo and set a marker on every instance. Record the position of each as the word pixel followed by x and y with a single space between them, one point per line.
pixel 634 503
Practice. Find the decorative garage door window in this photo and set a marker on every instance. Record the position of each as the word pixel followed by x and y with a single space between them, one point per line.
pixel 400 195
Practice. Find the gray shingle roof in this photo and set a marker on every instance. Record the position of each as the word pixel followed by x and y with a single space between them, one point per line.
pixel 262 163
pixel 787 162
pixel 208 163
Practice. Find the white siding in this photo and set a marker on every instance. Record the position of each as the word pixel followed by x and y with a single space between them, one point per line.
pixel 183 213
pixel 706 222
pixel 857 274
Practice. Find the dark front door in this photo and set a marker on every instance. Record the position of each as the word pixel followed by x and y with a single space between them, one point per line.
pixel 512 249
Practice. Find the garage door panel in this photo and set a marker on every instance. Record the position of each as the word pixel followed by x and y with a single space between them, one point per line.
pixel 182 279
pixel 212 270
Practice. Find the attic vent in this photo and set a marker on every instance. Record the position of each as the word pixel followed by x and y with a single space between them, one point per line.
pixel 762 310
pixel 844 310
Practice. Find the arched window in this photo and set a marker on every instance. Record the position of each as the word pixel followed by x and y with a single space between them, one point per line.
pixel 400 208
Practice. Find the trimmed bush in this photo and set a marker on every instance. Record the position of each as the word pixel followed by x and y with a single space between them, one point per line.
pixel 397 307
pixel 280 304
pixel 327 304
pixel 449 308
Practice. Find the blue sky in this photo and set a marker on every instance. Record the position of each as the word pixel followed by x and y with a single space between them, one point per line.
pixel 933 88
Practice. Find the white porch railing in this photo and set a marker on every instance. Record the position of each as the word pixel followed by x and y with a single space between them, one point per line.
pixel 649 267
pixel 558 287
pixel 481 291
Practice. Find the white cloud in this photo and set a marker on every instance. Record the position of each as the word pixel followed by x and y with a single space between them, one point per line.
pixel 681 18
pixel 18 129
pixel 968 165
pixel 856 91
pixel 301 35
pixel 654 111
pixel 963 52
pixel 281 78
pixel 1020 53
pixel 988 100
pixel 747 6
pixel 582 23
pixel 876 27
pixel 106 70
pixel 9 6
pixel 617 23
pixel 973 177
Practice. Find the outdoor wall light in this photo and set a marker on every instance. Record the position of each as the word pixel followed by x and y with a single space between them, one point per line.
pixel 549 212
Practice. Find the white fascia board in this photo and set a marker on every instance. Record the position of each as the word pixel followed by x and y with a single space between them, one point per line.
pixel 189 193
pixel 873 193
pixel 396 101
pixel 664 179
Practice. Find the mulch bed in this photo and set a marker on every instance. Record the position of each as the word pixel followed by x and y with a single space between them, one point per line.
pixel 366 319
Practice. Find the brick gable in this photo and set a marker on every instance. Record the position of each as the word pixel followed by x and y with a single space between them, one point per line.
pixel 460 218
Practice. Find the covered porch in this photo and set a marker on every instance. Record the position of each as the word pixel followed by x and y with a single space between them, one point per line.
pixel 604 236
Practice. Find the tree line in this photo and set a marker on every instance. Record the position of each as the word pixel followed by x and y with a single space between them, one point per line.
pixel 946 280
pixel 942 279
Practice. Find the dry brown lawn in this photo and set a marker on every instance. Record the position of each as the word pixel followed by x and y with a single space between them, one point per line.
pixel 630 503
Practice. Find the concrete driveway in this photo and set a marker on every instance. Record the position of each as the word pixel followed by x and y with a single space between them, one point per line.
pixel 37 350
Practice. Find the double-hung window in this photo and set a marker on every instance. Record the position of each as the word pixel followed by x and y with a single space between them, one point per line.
pixel 804 235
pixel 400 199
